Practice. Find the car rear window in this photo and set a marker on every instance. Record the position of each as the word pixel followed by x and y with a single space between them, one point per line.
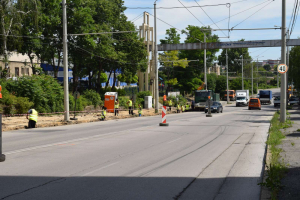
pixel 253 100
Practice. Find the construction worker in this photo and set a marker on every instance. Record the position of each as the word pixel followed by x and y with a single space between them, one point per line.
pixel 187 106
pixel 103 115
pixel 140 110
pixel 182 108
pixel 129 103
pixel 170 104
pixel 117 105
pixel 33 117
pixel 178 108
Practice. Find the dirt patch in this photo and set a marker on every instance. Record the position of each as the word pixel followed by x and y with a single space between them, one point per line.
pixel 16 123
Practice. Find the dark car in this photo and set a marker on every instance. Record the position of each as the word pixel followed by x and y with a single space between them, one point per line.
pixel 215 107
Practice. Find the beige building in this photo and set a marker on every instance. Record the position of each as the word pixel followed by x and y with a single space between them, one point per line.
pixel 19 65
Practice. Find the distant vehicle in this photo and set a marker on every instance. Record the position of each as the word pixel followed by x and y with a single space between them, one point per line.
pixel 254 103
pixel 215 107
pixel 265 96
pixel 232 95
pixel 242 97
pixel 201 97
pixel 276 101
pixel 294 100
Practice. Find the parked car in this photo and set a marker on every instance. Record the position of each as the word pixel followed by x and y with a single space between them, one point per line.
pixel 294 100
pixel 276 101
pixel 215 107
pixel 254 103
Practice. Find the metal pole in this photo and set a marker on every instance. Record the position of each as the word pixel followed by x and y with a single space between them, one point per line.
pixel 2 156
pixel 205 78
pixel 252 79
pixel 257 74
pixel 156 70
pixel 242 72
pixel 277 80
pixel 288 64
pixel 227 77
pixel 283 61
pixel 66 78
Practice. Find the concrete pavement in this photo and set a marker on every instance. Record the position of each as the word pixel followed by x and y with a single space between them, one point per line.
pixel 194 158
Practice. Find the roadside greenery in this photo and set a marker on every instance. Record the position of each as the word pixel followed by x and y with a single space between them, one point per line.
pixel 276 167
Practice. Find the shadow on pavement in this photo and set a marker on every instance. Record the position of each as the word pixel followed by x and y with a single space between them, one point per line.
pixel 295 134
pixel 140 188
pixel 252 121
pixel 291 184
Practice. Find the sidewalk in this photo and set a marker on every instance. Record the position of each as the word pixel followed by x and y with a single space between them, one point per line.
pixel 291 157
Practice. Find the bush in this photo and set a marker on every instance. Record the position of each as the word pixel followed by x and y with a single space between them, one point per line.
pixel 93 98
pixel 22 105
pixel 81 103
pixel 141 98
pixel 44 91
pixel 123 102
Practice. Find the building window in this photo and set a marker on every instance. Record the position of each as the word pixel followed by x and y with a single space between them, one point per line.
pixel 27 71
pixel 23 71
pixel 17 72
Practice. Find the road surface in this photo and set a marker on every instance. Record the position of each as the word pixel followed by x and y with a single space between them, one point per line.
pixel 194 158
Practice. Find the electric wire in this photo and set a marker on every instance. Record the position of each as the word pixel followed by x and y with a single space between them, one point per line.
pixel 252 15
pixel 211 18
pixel 192 13
pixel 137 17
pixel 241 12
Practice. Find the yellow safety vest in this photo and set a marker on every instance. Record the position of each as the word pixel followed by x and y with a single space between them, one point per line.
pixel 130 103
pixel 182 108
pixel 170 103
pixel 117 104
pixel 178 107
pixel 34 115
pixel 140 110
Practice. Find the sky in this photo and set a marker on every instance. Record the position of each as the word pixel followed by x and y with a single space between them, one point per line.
pixel 265 14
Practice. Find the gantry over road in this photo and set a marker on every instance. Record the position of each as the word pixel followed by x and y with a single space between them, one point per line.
pixel 227 45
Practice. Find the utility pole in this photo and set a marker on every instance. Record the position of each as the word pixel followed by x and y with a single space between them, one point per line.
pixel 156 69
pixel 242 72
pixel 205 78
pixel 257 74
pixel 252 79
pixel 66 77
pixel 227 77
pixel 283 61
pixel 288 64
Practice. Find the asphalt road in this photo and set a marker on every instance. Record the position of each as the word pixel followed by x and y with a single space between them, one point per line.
pixel 194 158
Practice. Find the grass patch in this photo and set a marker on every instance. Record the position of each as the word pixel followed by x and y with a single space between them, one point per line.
pixel 293 144
pixel 276 168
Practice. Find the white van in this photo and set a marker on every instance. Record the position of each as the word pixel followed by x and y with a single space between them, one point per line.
pixel 242 97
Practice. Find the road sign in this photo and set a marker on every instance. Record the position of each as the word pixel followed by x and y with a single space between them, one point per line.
pixel 282 68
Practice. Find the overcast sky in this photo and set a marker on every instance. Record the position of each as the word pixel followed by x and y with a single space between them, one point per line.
pixel 265 15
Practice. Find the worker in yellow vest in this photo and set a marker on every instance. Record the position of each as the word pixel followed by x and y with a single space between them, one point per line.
pixel 178 108
pixel 140 110
pixel 170 104
pixel 129 103
pixel 182 108
pixel 103 115
pixel 117 105
pixel 32 116
pixel 187 106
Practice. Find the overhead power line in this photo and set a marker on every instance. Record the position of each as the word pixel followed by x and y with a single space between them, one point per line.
pixel 192 13
pixel 252 14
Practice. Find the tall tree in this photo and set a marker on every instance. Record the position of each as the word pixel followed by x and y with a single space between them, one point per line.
pixel 294 68
pixel 234 56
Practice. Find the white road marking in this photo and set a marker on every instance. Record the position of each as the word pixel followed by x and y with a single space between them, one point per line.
pixel 174 140
pixel 100 169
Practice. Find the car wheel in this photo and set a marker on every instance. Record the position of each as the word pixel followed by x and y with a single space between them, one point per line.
pixel 259 108
pixel 218 111
pixel 249 108
pixel 205 111
pixel 222 110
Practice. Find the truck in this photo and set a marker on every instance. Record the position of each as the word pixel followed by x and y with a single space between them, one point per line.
pixel 201 97
pixel 232 96
pixel 265 96
pixel 242 97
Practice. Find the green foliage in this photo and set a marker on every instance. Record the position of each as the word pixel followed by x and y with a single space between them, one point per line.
pixel 22 105
pixel 181 100
pixel 140 98
pixel 267 67
pixel 44 91
pixel 123 102
pixel 294 68
pixel 172 37
pixel 221 84
pixel 80 103
pixel 276 168
pixel 93 97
